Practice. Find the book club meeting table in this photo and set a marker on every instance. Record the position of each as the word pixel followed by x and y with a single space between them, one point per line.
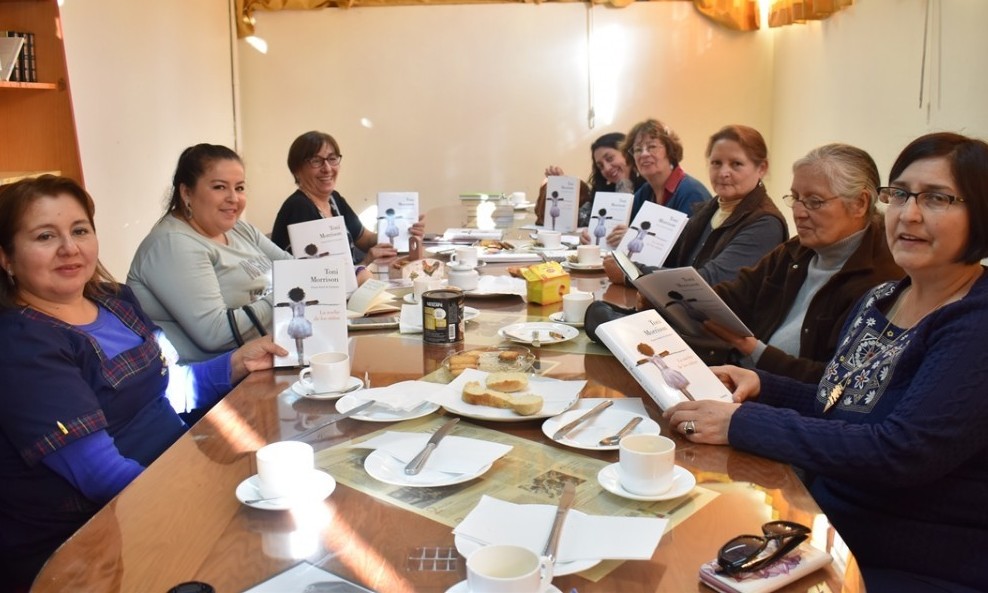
pixel 180 520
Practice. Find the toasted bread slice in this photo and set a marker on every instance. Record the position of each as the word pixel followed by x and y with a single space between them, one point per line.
pixel 524 404
pixel 509 382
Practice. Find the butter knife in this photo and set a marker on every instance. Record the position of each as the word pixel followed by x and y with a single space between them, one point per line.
pixel 415 465
pixel 565 429
pixel 565 503
pixel 333 420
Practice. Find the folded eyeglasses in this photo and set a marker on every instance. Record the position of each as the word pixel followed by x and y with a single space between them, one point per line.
pixel 746 553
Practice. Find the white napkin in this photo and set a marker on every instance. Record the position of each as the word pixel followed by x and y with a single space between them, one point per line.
pixel 584 537
pixel 454 455
pixel 410 321
pixel 500 285
pixel 399 397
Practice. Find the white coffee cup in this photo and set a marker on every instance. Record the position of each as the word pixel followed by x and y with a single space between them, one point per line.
pixel 424 284
pixel 575 305
pixel 508 569
pixel 464 257
pixel 518 197
pixel 588 255
pixel 330 371
pixel 550 239
pixel 463 278
pixel 646 464
pixel 284 468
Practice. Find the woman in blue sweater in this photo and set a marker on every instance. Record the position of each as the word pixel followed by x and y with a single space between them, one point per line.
pixel 895 435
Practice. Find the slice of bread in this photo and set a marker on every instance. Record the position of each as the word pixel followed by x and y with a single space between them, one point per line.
pixel 524 404
pixel 510 382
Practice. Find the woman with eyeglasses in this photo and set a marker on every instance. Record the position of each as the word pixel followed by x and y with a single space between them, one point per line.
pixel 795 299
pixel 202 274
pixel 895 434
pixel 314 160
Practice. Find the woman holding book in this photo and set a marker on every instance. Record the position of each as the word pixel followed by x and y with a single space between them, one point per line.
pixel 796 299
pixel 202 274
pixel 896 432
pixel 314 159
pixel 91 393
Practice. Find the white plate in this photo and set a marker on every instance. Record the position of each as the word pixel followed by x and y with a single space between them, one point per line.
pixel 587 434
pixel 383 467
pixel 352 382
pixel 517 331
pixel 466 546
pixel 377 413
pixel 559 317
pixel 559 397
pixel 321 486
pixel 583 267
pixel 683 483
pixel 462 587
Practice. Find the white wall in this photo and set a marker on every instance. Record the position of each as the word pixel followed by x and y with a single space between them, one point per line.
pixel 147 79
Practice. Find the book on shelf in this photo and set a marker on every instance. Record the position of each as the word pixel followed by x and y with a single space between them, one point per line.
pixel 309 308
pixel 10 51
pixel 609 210
pixel 652 234
pixel 321 238
pixel 658 358
pixel 682 296
pixel 562 203
pixel 371 297
pixel 396 213
pixel 792 567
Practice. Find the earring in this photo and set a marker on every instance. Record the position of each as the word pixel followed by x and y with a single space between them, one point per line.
pixel 188 210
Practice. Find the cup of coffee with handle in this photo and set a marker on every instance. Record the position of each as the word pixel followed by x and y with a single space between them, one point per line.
pixel 646 464
pixel 464 257
pixel 327 371
pixel 508 569
pixel 284 468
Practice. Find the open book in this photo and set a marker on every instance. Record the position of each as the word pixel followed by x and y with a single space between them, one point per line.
pixel 372 297
pixel 685 298
pixel 608 211
pixel 652 234
pixel 659 359
pixel 396 213
pixel 794 566
pixel 309 308
pixel 322 237
pixel 562 203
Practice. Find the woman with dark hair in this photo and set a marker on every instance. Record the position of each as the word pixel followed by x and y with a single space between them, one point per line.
pixel 90 393
pixel 314 159
pixel 895 434
pixel 202 274
pixel 610 170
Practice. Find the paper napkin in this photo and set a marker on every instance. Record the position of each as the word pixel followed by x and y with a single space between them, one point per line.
pixel 399 397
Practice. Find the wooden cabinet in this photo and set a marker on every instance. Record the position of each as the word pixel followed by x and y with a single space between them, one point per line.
pixel 37 127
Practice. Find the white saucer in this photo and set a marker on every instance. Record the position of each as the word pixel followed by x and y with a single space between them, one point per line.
pixel 520 332
pixel 383 467
pixel 558 317
pixel 583 267
pixel 352 382
pixel 461 587
pixel 683 483
pixel 322 486
pixel 588 433
pixel 466 546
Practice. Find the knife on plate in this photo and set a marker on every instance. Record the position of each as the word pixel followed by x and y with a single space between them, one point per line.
pixel 415 465
pixel 565 429
pixel 565 503
pixel 333 420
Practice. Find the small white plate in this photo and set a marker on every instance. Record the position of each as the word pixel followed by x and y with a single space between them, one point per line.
pixel 683 483
pixel 559 317
pixel 383 467
pixel 587 435
pixel 517 332
pixel 351 383
pixel 378 413
pixel 583 267
pixel 463 587
pixel 321 486
pixel 466 546
pixel 559 397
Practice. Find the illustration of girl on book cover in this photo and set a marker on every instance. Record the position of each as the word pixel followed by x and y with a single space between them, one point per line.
pixel 299 328
pixel 672 377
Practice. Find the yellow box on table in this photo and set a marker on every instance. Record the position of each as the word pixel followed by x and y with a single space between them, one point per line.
pixel 546 283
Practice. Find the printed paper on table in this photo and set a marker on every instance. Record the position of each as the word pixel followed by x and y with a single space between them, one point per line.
pixel 309 308
pixel 322 237
pixel 659 359
pixel 652 234
pixel 562 203
pixel 396 213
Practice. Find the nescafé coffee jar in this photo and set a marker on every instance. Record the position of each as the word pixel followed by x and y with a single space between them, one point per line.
pixel 442 316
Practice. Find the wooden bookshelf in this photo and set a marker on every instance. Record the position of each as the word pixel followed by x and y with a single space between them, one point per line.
pixel 37 123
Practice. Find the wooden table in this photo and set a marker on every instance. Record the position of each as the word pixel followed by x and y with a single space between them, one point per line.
pixel 180 521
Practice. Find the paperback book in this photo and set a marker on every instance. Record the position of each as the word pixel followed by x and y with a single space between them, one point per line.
pixel 396 213
pixel 652 234
pixel 794 566
pixel 321 238
pixel 372 297
pixel 309 308
pixel 658 358
pixel 685 298
pixel 609 209
pixel 562 203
